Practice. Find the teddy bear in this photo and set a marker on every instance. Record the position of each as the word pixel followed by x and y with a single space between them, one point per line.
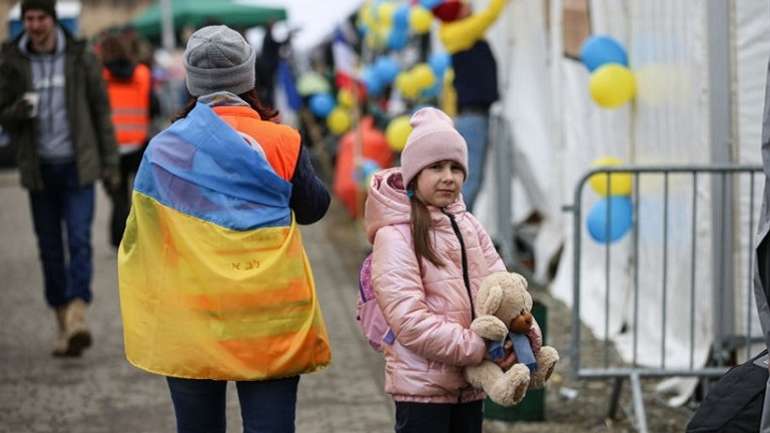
pixel 503 318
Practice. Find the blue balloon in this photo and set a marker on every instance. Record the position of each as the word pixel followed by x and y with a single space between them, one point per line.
pixel 398 39
pixel 386 69
pixel 366 169
pixel 363 29
pixel 600 50
pixel 401 18
pixel 430 4
pixel 372 82
pixel 621 211
pixel 321 104
pixel 439 62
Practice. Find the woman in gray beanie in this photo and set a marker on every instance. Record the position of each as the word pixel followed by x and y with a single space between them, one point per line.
pixel 215 284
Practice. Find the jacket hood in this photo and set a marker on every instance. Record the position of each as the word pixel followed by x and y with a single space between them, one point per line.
pixel 387 203
pixel 61 43
pixel 71 43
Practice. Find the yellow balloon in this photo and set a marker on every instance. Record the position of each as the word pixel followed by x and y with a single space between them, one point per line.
pixel 366 15
pixel 407 85
pixel 371 39
pixel 385 13
pixel 423 75
pixel 383 33
pixel 619 183
pixel 397 132
pixel 420 20
pixel 449 77
pixel 345 98
pixel 338 121
pixel 612 85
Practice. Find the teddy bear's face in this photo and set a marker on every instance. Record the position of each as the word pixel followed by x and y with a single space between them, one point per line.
pixel 515 308
pixel 522 323
pixel 505 296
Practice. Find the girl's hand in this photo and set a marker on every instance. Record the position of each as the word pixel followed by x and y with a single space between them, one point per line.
pixel 507 362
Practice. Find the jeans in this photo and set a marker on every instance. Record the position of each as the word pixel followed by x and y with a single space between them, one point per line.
pixel 439 417
pixel 66 276
pixel 474 127
pixel 266 406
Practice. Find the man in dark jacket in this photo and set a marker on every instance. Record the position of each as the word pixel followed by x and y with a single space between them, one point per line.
pixel 54 105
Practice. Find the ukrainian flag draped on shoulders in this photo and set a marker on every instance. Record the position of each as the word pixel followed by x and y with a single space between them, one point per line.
pixel 214 279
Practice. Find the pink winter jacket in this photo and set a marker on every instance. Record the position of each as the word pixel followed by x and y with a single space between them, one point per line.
pixel 430 311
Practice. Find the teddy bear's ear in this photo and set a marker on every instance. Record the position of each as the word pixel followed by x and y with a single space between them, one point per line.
pixel 488 299
pixel 519 280
pixel 521 284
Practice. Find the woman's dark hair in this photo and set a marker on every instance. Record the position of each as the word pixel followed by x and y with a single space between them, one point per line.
pixel 421 223
pixel 114 48
pixel 266 113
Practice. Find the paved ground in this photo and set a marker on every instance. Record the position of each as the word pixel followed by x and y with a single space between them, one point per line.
pixel 102 393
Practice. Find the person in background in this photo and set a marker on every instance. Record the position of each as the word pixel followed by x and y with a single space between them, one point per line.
pixel 139 48
pixel 54 106
pixel 215 284
pixel 133 104
pixel 266 66
pixel 475 69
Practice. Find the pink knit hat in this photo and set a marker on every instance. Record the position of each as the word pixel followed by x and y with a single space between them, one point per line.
pixel 433 139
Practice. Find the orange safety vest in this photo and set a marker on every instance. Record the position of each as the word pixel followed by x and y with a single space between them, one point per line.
pixel 280 143
pixel 130 104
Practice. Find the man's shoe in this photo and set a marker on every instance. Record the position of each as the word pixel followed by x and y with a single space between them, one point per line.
pixel 60 347
pixel 75 337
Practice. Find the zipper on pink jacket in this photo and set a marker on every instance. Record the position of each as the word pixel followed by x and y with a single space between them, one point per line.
pixel 466 278
pixel 464 259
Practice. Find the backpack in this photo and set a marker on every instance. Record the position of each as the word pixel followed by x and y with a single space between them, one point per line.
pixel 368 313
pixel 735 403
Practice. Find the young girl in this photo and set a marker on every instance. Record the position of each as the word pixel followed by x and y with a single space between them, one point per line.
pixel 429 258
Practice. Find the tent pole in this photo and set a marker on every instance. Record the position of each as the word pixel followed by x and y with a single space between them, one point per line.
pixel 720 118
pixel 167 24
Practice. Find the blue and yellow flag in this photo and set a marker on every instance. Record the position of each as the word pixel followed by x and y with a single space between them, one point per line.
pixel 214 279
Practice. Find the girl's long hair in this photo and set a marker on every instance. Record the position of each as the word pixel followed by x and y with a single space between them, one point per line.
pixel 421 224
pixel 265 112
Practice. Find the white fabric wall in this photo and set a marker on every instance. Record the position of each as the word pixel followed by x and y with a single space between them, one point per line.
pixel 561 131
pixel 520 41
pixel 668 54
pixel 314 20
pixel 751 43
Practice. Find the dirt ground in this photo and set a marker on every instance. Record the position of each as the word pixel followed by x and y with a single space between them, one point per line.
pixel 571 405
pixel 587 410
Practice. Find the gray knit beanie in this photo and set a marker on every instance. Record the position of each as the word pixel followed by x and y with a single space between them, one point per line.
pixel 217 58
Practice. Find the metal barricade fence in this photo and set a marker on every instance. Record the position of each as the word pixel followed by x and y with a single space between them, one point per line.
pixel 502 145
pixel 725 183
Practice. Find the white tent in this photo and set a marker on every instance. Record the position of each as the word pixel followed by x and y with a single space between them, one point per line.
pixel 314 19
pixel 683 114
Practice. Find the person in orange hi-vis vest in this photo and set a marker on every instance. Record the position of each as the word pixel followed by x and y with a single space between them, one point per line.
pixel 215 284
pixel 129 86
